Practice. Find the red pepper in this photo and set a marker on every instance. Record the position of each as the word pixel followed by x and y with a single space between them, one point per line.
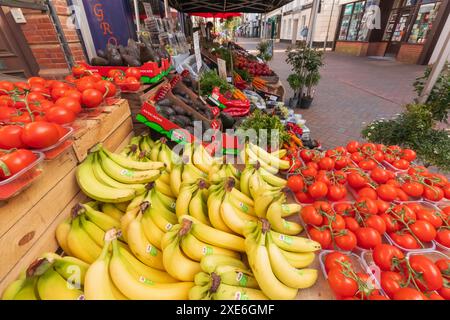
pixel 237 104
pixel 236 112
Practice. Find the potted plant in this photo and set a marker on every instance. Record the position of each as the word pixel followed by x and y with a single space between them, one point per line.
pixel 305 63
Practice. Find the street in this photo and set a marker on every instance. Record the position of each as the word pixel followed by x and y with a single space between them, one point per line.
pixel 352 91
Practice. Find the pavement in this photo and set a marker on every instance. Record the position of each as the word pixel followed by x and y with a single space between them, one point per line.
pixel 352 91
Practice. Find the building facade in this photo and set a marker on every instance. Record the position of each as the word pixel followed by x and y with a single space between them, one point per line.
pixel 251 25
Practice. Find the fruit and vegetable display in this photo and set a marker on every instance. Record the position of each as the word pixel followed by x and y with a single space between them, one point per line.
pixel 250 64
pixel 198 105
pixel 168 226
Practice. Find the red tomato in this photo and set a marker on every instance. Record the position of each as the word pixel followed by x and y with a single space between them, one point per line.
pixel 40 106
pixel 132 84
pixel 433 193
pixel 433 295
pixel 344 209
pixel 414 206
pixel 60 115
pixel 443 237
pixel 368 192
pixel 115 72
pixel 5 86
pixel 392 225
pixel 446 190
pixel 429 276
pixel 78 70
pixel 107 88
pixel 85 84
pixel 336 193
pixel 341 285
pixel 408 155
pixel 323 206
pixel 387 192
pixel 308 172
pixel 133 72
pixel 444 266
pixel 58 93
pixel 391 282
pixel 304 197
pixel 74 94
pixel 334 260
pixel 91 98
pixel 6 113
pixel 368 237
pixel 341 162
pixel 10 137
pixel 40 134
pixel 444 292
pixel 401 195
pixel 321 236
pixel 408 294
pixel 404 240
pixel 15 161
pixel 310 215
pixel 351 224
pixel 413 189
pixel 337 222
pixel 379 156
pixel 367 164
pixel 366 206
pixel 379 175
pixel 6 102
pixel 382 206
pixel 345 240
pixel 69 103
pixel 356 180
pixel 326 163
pixel 24 117
pixel 376 222
pixel 295 183
pixel 357 157
pixel 306 155
pixel 387 257
pixel 318 190
pixel 431 216
pixel 401 164
pixel 21 87
pixel 353 146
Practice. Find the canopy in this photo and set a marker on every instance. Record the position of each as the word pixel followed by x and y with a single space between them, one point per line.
pixel 218 15
pixel 254 6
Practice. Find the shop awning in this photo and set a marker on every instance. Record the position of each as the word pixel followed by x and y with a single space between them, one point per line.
pixel 254 6
pixel 218 15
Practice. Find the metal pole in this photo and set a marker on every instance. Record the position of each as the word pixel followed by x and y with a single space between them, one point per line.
pixel 328 28
pixel 166 8
pixel 312 23
pixel 136 13
pixel 438 66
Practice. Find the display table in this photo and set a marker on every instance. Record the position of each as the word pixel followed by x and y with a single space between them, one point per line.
pixel 29 220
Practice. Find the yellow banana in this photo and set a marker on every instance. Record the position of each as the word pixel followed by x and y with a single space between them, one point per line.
pixel 80 243
pixel 269 158
pixel 151 231
pixel 191 173
pixel 196 249
pixel 126 219
pixel 184 198
pixel 299 259
pixel 227 292
pixel 238 277
pixel 199 293
pixel 164 188
pixel 294 244
pixel 272 179
pixel 278 223
pixel 112 211
pixel 62 231
pixel 245 177
pixel 52 286
pixel 198 208
pixel 102 220
pixel 210 263
pixel 28 290
pixel 130 164
pixel 214 203
pixel 122 206
pixel 234 218
pixel 175 178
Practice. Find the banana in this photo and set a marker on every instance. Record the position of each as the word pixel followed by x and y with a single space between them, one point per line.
pixel 210 263
pixel 175 178
pixel 215 237
pixel 132 146
pixel 242 206
pixel 140 246
pixel 191 173
pixel 122 206
pixel 165 177
pixel 262 270
pixel 236 277
pixel 202 279
pixel 164 188
pixel 94 189
pixel 294 278
pixel 130 164
pixel 163 218
pixel 71 269
pixel 94 231
pixel 256 185
pixel 136 202
pixel 294 244
pixel 98 284
pixel 143 270
pixel 168 157
pixel 151 231
pixel 28 290
pixel 262 203
pixel 198 208
pixel 177 264
pixel 104 178
pixel 140 288
pixel 170 236
pixel 272 179
pixel 125 175
pixel 12 289
pixel 299 259
pixel 280 153
pixel 269 158
pixel 62 231
pixel 52 286
pixel 166 201
pixel 227 292
pixel 234 218
pixel 278 223
pixel 288 209
pixel 214 203
pixel 255 160
pixel 146 144
pixel 199 293
pixel 196 249
pixel 80 243
pixel 245 177
pixel 201 159
pixel 112 211
pixel 184 198
pixel 102 220
pixel 155 151
pixel 126 219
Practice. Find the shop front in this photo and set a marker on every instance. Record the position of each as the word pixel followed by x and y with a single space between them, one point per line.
pixel 405 30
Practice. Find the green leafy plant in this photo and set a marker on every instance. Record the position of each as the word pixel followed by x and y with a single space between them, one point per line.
pixel 263 48
pixel 245 75
pixel 261 120
pixel 209 80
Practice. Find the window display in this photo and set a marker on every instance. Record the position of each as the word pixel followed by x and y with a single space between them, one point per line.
pixel 424 22
pixel 351 21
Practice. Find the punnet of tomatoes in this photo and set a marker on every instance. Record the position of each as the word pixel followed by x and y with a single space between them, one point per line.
pixel 442 239
pixel 128 80
pixel 15 162
pixel 348 277
pixel 412 276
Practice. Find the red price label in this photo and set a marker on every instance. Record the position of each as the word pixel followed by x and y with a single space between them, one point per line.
pixel 185 73
pixel 175 80
pixel 215 111
pixel 215 124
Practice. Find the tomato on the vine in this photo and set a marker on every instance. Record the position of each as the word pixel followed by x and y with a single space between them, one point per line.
pixel 133 72
pixel 342 285
pixel 334 260
pixel 321 236
pixel 326 163
pixel 428 276
pixel 391 282
pixel 375 222
pixel 387 257
pixel 15 161
pixel 443 237
pixel 408 294
pixel 366 206
pixel 318 190
pixel 367 192
pixel 356 180
pixel 69 103
pixel 310 215
pixel 91 98
pixel 351 223
pixel 10 137
pixel 303 197
pixel 336 193
pixel 345 240
pixel 405 240
pixel 40 134
pixel 295 183
pixel 368 237
pixel 431 216
pixel 337 222
pixel 60 115
pixel 433 193
pixel 387 192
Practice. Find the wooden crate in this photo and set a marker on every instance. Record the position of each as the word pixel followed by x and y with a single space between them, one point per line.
pixel 28 221
pixel 99 128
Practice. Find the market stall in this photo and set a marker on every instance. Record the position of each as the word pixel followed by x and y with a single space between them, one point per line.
pixel 187 209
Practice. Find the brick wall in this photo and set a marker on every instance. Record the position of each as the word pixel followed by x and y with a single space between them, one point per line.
pixel 409 53
pixel 41 36
pixel 376 48
pixel 352 48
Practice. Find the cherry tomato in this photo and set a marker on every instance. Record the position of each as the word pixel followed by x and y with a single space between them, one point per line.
pixel 303 197
pixel 429 276
pixel 391 282
pixel 356 180
pixel 336 193
pixel 342 285
pixel 295 183
pixel 345 240
pixel 6 113
pixel 309 172
pixel 357 157
pixel 306 155
pixel 368 192
pixel 91 98
pixel 323 206
pixel 107 88
pixel 431 216
pixel 366 206
pixel 401 164
pixel 404 212
pixel 337 222
pixel 74 94
pixel 367 164
pixel 85 84
pixel 382 206
pixel 60 115
pixel 310 215
pixel 368 237
pixel 78 70
pixel 387 257
pixel 404 240
pixel 58 93
pixel 344 209
pixel 392 224
pixel 379 175
pixel 433 193
pixel 318 190
pixel 69 103
pixel 387 192
pixel 413 189
pixel 443 237
pixel 408 294
pixel 13 162
pixel 375 222
pixel 401 195
pixel 351 224
pixel 378 155
pixel 10 137
pixel 353 146
pixel 333 259
pixel 115 72
pixel 326 163
pixel 321 236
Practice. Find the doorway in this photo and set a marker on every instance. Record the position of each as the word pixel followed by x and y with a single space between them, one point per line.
pixel 16 58
pixel 294 31
pixel 396 29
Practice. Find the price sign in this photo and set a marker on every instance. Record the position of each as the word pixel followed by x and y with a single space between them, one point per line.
pixel 221 64
pixel 198 55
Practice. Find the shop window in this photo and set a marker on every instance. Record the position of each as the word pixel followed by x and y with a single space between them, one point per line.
pixel 345 22
pixel 424 22
pixel 367 21
pixel 351 21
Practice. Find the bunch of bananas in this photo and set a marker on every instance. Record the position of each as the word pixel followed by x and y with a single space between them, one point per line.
pixel 225 278
pixel 271 162
pixel 50 277
pixel 115 178
pixel 279 261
